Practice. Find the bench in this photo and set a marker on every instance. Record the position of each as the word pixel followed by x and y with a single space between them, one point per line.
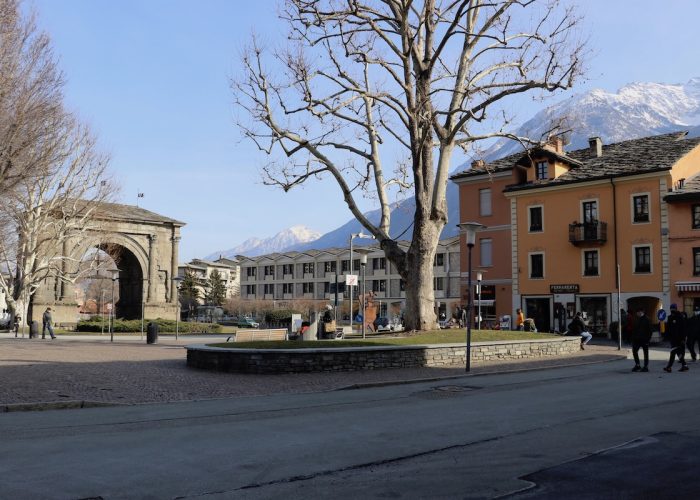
pixel 256 335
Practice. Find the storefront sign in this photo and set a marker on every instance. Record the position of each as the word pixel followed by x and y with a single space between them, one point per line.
pixel 571 288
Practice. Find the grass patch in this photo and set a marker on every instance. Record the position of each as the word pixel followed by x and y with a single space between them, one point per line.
pixel 453 336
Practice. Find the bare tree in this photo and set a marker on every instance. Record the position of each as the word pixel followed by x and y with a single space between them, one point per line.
pixel 31 97
pixel 378 95
pixel 46 215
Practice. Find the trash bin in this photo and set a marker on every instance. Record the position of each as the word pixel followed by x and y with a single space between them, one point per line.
pixel 33 329
pixel 152 333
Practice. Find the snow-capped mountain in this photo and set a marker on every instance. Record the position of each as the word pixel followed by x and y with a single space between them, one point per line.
pixel 635 110
pixel 282 240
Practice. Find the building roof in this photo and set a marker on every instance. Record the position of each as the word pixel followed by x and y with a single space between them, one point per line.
pixel 689 191
pixel 331 252
pixel 117 211
pixel 632 157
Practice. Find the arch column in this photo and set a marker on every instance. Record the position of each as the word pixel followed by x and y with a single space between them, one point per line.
pixel 152 276
pixel 173 269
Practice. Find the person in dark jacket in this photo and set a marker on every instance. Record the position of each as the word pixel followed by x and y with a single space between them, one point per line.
pixel 676 334
pixel 578 327
pixel 640 336
pixel 693 329
pixel 47 324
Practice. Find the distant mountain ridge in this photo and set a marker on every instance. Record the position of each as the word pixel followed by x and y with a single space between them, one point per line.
pixel 255 246
pixel 635 110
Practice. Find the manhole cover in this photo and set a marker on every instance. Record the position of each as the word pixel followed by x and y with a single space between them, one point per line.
pixel 446 391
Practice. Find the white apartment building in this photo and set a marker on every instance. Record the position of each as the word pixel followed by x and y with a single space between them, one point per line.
pixel 202 269
pixel 311 275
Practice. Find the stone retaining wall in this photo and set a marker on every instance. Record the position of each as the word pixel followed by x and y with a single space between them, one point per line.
pixel 371 358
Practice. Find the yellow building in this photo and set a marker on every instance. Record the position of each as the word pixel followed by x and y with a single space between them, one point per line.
pixel 580 219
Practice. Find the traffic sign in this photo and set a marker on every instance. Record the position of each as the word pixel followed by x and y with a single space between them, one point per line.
pixel 661 315
pixel 351 279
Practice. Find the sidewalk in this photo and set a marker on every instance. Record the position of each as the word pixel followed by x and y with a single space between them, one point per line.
pixel 79 369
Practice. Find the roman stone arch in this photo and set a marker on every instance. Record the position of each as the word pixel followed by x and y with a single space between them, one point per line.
pixel 145 248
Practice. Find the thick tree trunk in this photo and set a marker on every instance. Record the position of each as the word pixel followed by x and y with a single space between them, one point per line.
pixel 420 297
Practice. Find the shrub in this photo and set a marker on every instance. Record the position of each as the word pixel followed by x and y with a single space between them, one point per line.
pixel 94 324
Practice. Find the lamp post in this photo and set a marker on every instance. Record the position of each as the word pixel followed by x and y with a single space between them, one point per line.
pixel 102 311
pixel 478 297
pixel 115 277
pixel 178 282
pixel 363 264
pixel 352 237
pixel 469 229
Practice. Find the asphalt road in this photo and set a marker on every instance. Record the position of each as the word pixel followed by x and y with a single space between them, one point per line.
pixel 595 431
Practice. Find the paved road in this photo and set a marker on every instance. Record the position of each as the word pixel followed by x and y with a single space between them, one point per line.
pixel 471 437
pixel 91 369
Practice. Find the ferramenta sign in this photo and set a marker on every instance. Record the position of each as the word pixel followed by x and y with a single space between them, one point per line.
pixel 570 288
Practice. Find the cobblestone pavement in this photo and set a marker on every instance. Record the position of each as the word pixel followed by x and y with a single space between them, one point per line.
pixel 128 372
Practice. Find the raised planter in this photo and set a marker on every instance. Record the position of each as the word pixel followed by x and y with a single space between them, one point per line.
pixel 371 358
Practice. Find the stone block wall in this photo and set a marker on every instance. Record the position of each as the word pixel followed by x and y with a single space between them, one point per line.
pixel 370 358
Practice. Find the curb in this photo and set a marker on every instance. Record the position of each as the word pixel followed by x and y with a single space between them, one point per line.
pixel 494 372
pixel 53 405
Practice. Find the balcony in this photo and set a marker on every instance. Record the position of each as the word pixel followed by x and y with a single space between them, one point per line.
pixel 587 233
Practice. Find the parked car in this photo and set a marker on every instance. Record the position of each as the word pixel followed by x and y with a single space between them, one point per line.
pixel 247 323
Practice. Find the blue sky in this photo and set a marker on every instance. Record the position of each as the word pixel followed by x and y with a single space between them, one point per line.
pixel 152 78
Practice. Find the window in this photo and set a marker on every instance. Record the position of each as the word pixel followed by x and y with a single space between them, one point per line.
pixel 345 266
pixel 269 270
pixel 590 263
pixel 640 208
pixel 536 265
pixel 484 201
pixel 535 219
pixel 696 261
pixel 590 211
pixel 402 285
pixel 329 267
pixel 438 283
pixel 269 288
pixel 486 252
pixel 696 216
pixel 642 259
pixel 308 267
pixel 287 287
pixel 251 272
pixel 250 289
pixel 308 287
pixel 379 285
pixel 541 170
pixel 288 269
pixel 439 260
pixel 379 263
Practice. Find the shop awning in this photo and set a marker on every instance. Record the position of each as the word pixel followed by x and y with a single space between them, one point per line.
pixel 688 286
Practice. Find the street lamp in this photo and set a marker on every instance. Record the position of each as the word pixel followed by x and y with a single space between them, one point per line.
pixel 352 237
pixel 115 277
pixel 178 281
pixel 363 263
pixel 478 297
pixel 469 229
pixel 102 311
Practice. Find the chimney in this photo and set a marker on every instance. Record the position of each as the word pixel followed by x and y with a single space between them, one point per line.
pixel 556 144
pixel 478 163
pixel 595 144
pixel 680 183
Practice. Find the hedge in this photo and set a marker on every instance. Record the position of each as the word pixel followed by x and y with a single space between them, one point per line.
pixel 94 324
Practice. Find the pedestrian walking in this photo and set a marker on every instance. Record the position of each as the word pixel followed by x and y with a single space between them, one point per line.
pixel 693 330
pixel 47 324
pixel 641 335
pixel 676 328
pixel 519 320
pixel 18 320
pixel 578 327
